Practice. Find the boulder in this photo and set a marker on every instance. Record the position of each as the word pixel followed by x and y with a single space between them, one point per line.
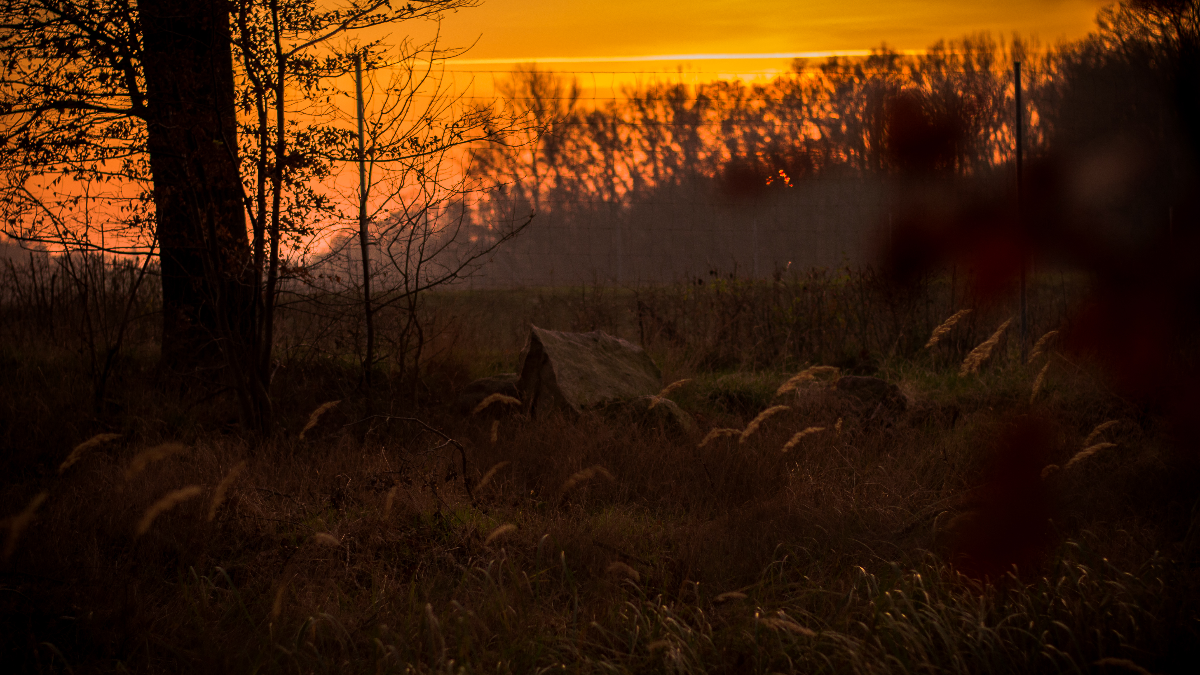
pixel 872 392
pixel 474 393
pixel 577 371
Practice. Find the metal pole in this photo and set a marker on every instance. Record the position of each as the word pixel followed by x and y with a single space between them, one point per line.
pixel 363 234
pixel 1020 207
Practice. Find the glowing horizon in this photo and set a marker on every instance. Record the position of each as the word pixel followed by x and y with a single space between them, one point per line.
pixel 500 32
pixel 682 57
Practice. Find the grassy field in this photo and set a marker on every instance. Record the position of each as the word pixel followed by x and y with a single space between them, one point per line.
pixel 880 542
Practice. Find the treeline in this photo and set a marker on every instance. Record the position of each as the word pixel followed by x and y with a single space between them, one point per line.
pixel 817 120
pixel 949 112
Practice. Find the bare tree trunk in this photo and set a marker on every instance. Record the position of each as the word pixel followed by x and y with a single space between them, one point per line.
pixel 192 141
pixel 364 241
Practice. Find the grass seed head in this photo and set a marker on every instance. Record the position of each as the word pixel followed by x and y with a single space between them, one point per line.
pixel 947 325
pixel 495 436
pixel 940 521
pixel 499 532
pixel 19 522
pixel 222 488
pixel 730 595
pixel 981 353
pixel 1038 382
pixel 151 455
pixel 667 390
pixel 495 398
pixel 1040 346
pixel 780 623
pixel 82 449
pixel 1120 665
pixel 1100 429
pixel 325 539
pixel 718 433
pixel 491 473
pixel 618 567
pixel 316 416
pixel 1087 452
pixel 169 501
pixel 804 376
pixel 1050 470
pixel 277 605
pixel 584 476
pixel 795 440
pixel 389 500
pixel 758 421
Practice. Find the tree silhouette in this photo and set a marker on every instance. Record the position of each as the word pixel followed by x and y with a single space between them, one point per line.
pixel 103 91
pixel 181 108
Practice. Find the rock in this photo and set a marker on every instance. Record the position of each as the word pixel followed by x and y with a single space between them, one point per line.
pixel 872 392
pixel 655 412
pixel 474 393
pixel 577 371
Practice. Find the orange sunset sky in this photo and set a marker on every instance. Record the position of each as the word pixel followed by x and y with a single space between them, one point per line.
pixel 587 35
pixel 612 43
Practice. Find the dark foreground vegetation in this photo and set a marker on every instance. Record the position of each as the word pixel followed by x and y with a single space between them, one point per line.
pixel 223 454
pixel 186 543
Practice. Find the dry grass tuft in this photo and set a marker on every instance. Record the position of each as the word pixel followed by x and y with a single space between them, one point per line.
pixel 677 384
pixel 316 416
pixel 758 421
pixel 718 433
pixel 1040 346
pixel 618 567
pixel 584 476
pixel 947 325
pixel 1087 452
pixel 730 595
pixel 806 375
pixel 495 398
pixel 981 353
pixel 795 440
pixel 495 435
pixel 222 488
pixel 1100 429
pixel 150 455
pixel 499 532
pixel 784 624
pixel 19 522
pixel 325 539
pixel 491 473
pixel 81 449
pixel 1038 382
pixel 169 501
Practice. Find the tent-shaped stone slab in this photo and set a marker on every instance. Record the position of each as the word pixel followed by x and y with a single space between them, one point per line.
pixel 578 371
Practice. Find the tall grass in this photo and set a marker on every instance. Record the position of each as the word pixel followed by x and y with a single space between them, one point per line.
pixel 591 544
